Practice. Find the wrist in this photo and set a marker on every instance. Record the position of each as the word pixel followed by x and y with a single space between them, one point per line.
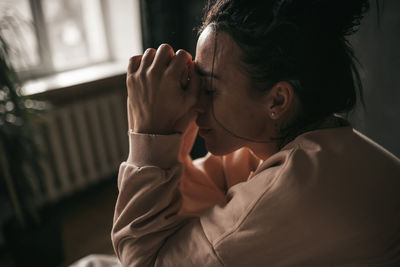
pixel 156 130
pixel 151 131
pixel 154 150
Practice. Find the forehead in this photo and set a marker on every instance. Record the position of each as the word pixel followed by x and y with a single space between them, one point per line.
pixel 227 52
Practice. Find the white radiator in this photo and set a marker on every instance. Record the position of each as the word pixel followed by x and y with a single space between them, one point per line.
pixel 82 144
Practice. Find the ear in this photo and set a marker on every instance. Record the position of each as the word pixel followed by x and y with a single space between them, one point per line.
pixel 280 100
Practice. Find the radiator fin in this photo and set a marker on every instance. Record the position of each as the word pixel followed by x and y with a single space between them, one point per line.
pixel 83 143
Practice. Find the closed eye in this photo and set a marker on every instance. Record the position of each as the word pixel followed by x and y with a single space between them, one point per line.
pixel 205 84
pixel 206 74
pixel 209 91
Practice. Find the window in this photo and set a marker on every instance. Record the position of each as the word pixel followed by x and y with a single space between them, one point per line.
pixel 53 36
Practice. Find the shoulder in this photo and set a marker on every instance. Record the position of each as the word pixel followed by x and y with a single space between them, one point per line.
pixel 313 195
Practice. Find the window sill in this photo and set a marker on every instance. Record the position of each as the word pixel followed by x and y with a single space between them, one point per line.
pixel 73 78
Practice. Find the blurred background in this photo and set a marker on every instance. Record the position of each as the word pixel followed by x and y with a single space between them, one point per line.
pixel 63 114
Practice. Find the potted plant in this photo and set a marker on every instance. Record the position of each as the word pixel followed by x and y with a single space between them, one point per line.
pixel 28 230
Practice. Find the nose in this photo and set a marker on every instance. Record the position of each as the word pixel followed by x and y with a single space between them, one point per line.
pixel 204 102
pixel 201 104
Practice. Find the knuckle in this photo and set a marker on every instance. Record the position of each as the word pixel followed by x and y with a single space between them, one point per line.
pixel 130 85
pixel 134 58
pixel 133 63
pixel 169 72
pixel 142 76
pixel 182 54
pixel 149 51
pixel 165 48
pixel 148 57
pixel 130 78
pixel 151 71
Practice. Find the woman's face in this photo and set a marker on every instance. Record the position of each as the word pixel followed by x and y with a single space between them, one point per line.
pixel 230 112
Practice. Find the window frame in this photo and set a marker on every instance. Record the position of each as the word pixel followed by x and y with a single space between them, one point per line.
pixel 46 67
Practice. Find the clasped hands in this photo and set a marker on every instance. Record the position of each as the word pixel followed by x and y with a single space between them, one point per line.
pixel 162 91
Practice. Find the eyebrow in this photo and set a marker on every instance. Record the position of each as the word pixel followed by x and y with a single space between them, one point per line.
pixel 204 73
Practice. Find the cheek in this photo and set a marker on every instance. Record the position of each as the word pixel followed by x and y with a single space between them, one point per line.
pixel 230 121
pixel 242 116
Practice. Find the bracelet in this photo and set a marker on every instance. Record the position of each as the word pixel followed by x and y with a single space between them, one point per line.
pixel 130 131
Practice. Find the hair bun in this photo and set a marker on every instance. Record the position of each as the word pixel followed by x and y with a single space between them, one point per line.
pixel 338 16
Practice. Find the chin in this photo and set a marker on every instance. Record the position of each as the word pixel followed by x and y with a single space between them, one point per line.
pixel 220 148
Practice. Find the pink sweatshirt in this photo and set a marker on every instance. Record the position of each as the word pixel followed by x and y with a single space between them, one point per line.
pixel 331 197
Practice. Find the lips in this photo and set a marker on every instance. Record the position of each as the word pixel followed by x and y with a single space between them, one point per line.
pixel 204 131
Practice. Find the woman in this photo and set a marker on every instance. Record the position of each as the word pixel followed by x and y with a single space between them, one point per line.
pixel 286 182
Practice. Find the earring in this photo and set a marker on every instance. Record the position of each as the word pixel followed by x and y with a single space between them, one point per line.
pixel 273 114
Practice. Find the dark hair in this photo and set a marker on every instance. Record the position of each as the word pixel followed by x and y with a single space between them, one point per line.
pixel 299 41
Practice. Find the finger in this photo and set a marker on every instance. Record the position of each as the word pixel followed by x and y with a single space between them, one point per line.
pixel 147 58
pixel 134 63
pixel 193 89
pixel 163 57
pixel 179 64
pixel 185 77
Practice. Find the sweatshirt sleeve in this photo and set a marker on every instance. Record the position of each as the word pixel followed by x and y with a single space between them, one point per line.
pixel 202 185
pixel 147 209
pixel 205 181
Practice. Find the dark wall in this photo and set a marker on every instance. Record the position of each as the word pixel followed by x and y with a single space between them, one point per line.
pixel 377 48
pixel 173 22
